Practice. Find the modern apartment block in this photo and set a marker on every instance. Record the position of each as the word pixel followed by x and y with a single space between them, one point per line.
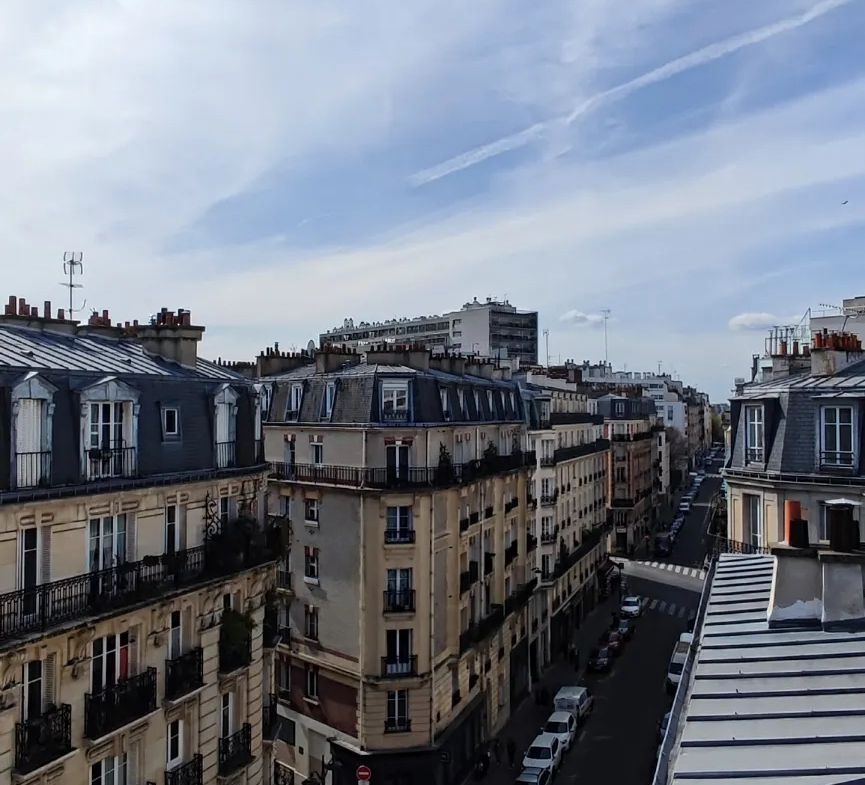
pixel 485 329
pixel 570 514
pixel 406 478
pixel 632 473
pixel 797 438
pixel 135 557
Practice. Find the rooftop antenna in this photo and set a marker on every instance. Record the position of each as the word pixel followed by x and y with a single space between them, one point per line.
pixel 605 312
pixel 547 343
pixel 72 266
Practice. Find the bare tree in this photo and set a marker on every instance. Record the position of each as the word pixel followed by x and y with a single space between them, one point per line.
pixel 678 447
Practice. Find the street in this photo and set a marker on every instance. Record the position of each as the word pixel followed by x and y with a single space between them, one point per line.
pixel 619 741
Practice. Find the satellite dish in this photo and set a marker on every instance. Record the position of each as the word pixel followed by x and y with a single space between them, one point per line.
pixel 310 347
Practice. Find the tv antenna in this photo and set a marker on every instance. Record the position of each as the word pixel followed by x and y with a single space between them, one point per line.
pixel 547 343
pixel 72 266
pixel 605 312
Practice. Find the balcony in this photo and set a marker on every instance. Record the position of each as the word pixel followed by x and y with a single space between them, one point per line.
pixel 489 624
pixel 520 597
pixel 837 461
pixel 103 463
pixel 633 437
pixel 399 478
pixel 402 536
pixel 37 609
pixel 548 499
pixel 464 524
pixel 547 460
pixel 44 739
pixel 269 717
pixel 235 751
pixel 32 469
pixel 119 704
pixel 399 600
pixel 474 517
pixel 184 674
pixel 511 505
pixel 234 652
pixel 190 773
pixel 581 450
pixel 531 543
pixel 550 536
pixel 398 666
pixel 489 563
pixel 511 552
pixel 488 512
pixel 226 455
pixel 397 725
pixel 576 418
pixel 719 544
pixel 469 577
pixel 284 581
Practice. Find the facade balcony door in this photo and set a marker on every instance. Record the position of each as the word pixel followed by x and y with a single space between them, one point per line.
pixel 107 456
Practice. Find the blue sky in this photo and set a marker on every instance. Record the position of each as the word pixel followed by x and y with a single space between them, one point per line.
pixel 277 166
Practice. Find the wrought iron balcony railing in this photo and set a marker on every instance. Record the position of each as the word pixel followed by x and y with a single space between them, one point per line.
pixel 402 536
pixel 184 674
pixel 282 775
pixel 226 453
pixel 32 469
pixel 399 600
pixel 720 544
pixel 399 666
pixel 235 751
pixel 397 725
pixel 189 773
pixel 43 739
pixel 119 704
pixel 106 462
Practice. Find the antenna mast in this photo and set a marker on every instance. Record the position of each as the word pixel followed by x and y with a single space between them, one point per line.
pixel 605 312
pixel 72 266
pixel 547 343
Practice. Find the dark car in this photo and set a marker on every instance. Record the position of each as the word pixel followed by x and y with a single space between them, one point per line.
pixel 663 545
pixel 612 640
pixel 626 629
pixel 600 659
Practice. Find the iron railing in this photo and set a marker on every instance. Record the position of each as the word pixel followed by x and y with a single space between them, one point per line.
pixel 189 773
pixel 235 751
pixel 32 469
pixel 106 462
pixel 43 739
pixel 720 544
pixel 581 450
pixel 402 536
pixel 119 704
pixel 269 717
pixel 396 667
pixel 397 725
pixel 399 600
pixel 282 775
pixel 226 455
pixel 489 563
pixel 184 674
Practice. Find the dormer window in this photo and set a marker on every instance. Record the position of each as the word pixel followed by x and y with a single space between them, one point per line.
pixel 225 427
pixel 491 404
pixel 837 437
pixel 754 435
pixel 446 408
pixel 295 398
pixel 109 419
pixel 461 394
pixel 478 409
pixel 394 401
pixel 327 401
pixel 170 423
pixel 513 402
pixel 32 424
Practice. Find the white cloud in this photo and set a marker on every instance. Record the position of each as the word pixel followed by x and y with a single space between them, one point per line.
pixel 760 321
pixel 580 318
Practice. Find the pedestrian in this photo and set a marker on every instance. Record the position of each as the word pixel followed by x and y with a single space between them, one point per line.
pixel 497 750
pixel 511 747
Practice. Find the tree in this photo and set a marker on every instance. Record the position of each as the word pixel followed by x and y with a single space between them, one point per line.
pixel 678 447
pixel 717 428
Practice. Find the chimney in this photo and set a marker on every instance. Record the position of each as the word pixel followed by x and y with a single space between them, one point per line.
pixel 453 364
pixel 171 336
pixel 272 362
pixel 843 569
pixel 832 352
pixel 331 358
pixel 416 356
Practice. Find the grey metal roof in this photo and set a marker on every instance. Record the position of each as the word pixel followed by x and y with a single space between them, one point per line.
pixel 769 706
pixel 21 348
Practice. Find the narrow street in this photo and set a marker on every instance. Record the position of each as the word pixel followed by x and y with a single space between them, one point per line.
pixel 619 741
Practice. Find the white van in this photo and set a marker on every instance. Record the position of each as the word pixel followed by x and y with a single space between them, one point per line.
pixel 677 662
pixel 577 701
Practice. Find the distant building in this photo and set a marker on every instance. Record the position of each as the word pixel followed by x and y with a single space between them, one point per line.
pixel 491 328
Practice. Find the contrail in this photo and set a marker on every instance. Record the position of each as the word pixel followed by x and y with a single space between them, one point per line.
pixel 704 56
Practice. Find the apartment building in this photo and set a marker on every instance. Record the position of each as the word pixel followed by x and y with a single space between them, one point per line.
pixel 570 514
pixel 135 558
pixel 632 468
pixel 797 438
pixel 489 328
pixel 405 475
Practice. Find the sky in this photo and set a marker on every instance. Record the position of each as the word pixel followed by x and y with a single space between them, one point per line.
pixel 697 167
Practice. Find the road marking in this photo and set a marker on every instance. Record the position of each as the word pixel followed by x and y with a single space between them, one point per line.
pixel 645 601
pixel 671 611
pixel 653 605
pixel 678 568
pixel 692 615
pixel 653 564
pixel 662 606
pixel 702 575
pixel 682 612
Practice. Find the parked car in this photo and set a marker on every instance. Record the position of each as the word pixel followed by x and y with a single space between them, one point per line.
pixel 663 544
pixel 600 660
pixel 626 629
pixel 533 776
pixel 562 725
pixel 632 607
pixel 545 752
pixel 611 640
pixel 576 700
pixel 662 727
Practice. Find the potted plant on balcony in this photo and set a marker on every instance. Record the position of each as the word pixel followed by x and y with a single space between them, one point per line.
pixel 235 639
pixel 491 452
pixel 446 464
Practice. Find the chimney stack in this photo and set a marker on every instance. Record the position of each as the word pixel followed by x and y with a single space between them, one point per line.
pixel 171 336
pixel 843 568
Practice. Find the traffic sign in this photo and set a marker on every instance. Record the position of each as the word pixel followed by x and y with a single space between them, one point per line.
pixel 364 774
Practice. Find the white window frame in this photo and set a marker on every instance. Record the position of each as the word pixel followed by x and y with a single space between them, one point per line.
pixel 224 422
pixel 756 535
pixel 175 635
pixel 113 770
pixel 446 409
pixel 391 393
pixel 838 458
pixel 316 453
pixel 118 546
pixel 397 711
pixel 310 687
pixel 99 662
pixel 755 433
pixel 174 731
pixel 402 518
pixel 113 391
pixel 33 387
pixel 171 518
pixel 461 395
pixel 312 564
pixel 295 401
pixel 329 398
pixel 310 622
pixel 477 397
pixel 226 715
pixel 491 404
pixel 311 511
pixel 33 672
pixel 166 431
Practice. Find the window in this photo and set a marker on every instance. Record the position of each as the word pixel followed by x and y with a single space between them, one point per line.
pixel 34 556
pixel 110 771
pixel 620 408
pixel 310 510
pixel 226 715
pixel 329 396
pixel 836 432
pixel 32 445
pixel 397 710
pixel 111 661
pixel 491 404
pixel 823 524
pixel 174 743
pixel 753 520
pixel 310 622
pixel 226 504
pixel 446 408
pixel 754 434
pixel 513 402
pixel 399 652
pixel 175 636
pixel 108 542
pixel 170 422
pixel 294 402
pixel 311 686
pixel 397 461
pixel 310 565
pixel 461 395
pixel 394 401
pixel 107 448
pixel 172 529
pixel 400 526
pixel 477 397
pixel 317 453
pixel 33 693
pixel 283 677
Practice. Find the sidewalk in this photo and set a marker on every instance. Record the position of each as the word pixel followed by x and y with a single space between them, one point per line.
pixel 525 722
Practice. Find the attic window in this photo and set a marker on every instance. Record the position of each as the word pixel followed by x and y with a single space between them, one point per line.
pixel 327 401
pixel 491 404
pixel 170 423
pixel 394 401
pixel 446 409
pixel 478 403
pixel 461 394
pixel 292 411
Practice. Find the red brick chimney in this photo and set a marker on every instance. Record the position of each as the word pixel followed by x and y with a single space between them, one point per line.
pixel 169 335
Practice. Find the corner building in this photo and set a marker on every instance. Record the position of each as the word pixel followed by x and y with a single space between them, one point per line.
pixel 135 560
pixel 405 478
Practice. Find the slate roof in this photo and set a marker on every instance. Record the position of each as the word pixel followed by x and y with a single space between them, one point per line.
pixel 766 707
pixel 26 349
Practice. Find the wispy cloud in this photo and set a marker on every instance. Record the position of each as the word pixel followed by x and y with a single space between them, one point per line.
pixel 580 318
pixel 761 321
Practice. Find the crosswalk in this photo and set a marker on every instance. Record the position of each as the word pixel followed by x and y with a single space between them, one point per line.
pixel 678 569
pixel 668 608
